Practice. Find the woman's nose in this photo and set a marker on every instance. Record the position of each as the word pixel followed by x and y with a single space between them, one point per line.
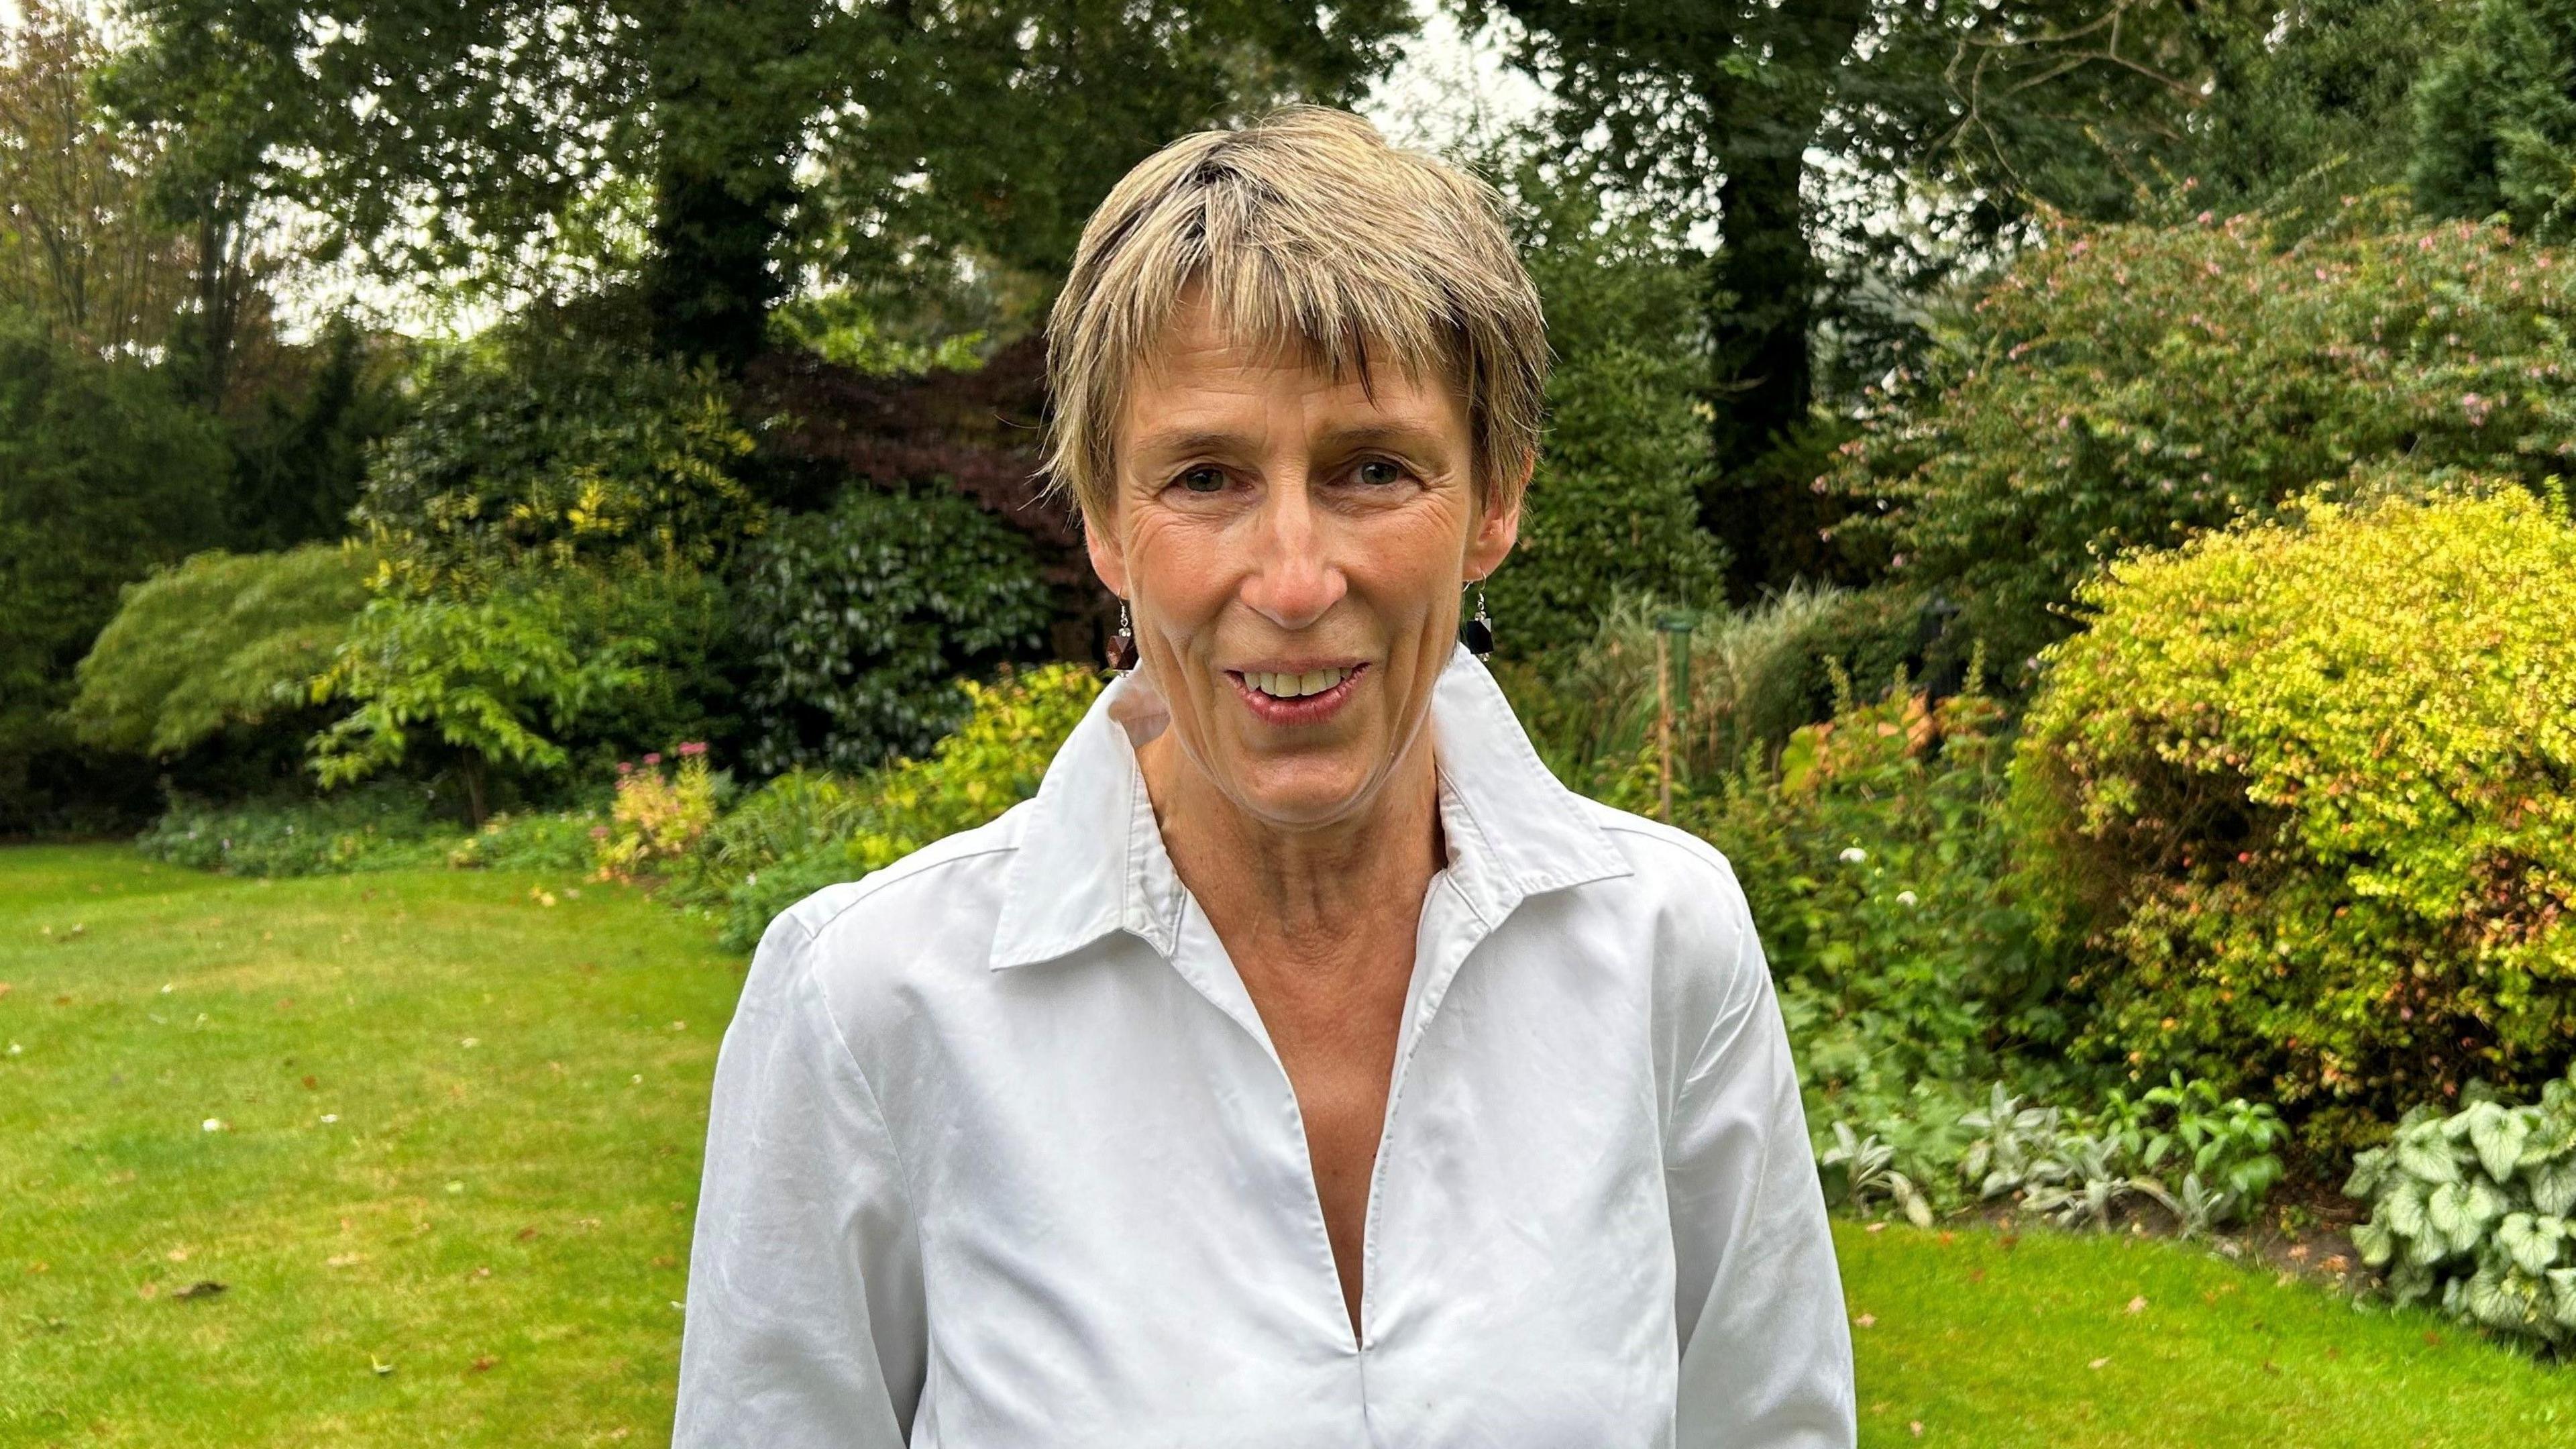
pixel 1294 580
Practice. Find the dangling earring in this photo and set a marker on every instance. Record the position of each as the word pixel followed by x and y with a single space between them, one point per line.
pixel 1478 633
pixel 1122 647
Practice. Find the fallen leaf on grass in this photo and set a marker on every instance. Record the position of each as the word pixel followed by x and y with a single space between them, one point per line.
pixel 344 1260
pixel 2138 1304
pixel 1948 1237
pixel 2432 1338
pixel 1916 1425
pixel 178 1254
pixel 381 1367
pixel 2270 1367
pixel 149 1290
pixel 484 1362
pixel 1878 1227
pixel 2333 1352
pixel 202 1288
pixel 2097 1363
pixel 1976 1275
pixel 527 1232
pixel 1866 1320
pixel 311 1082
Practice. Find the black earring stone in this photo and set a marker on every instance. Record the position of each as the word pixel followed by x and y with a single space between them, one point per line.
pixel 1122 645
pixel 1478 633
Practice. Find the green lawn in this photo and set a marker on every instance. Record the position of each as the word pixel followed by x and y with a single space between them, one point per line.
pixel 499 1214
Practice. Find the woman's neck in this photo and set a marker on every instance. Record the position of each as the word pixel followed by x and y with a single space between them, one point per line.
pixel 1308 891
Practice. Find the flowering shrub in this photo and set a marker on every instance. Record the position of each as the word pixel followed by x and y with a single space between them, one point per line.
pixel 2128 386
pixel 656 817
pixel 2308 792
pixel 1872 859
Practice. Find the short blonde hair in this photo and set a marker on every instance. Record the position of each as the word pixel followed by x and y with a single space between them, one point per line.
pixel 1311 233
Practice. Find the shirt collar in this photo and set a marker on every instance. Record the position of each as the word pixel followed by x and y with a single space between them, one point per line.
pixel 1090 858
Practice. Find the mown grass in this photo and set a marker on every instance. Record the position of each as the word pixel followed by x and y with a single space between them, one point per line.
pixel 500 1212
pixel 504 1225
pixel 1992 1339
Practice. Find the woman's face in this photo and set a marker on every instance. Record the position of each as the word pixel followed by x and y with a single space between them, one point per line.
pixel 1292 553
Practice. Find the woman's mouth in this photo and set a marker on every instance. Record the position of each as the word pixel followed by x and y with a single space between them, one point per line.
pixel 1295 697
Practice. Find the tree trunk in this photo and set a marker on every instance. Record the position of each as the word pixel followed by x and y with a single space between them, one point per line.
pixel 1761 296
pixel 712 280
pixel 469 768
pixel 1761 303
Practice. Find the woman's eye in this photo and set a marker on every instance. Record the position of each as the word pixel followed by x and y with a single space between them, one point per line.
pixel 1378 472
pixel 1203 480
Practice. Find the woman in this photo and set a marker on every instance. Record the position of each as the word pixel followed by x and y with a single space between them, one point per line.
pixel 1303 1065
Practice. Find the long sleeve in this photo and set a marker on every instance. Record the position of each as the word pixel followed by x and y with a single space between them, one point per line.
pixel 1766 1348
pixel 805 1321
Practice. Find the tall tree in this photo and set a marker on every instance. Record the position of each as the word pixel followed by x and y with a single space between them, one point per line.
pixel 2496 125
pixel 1801 130
pixel 80 246
pixel 2317 107
pixel 492 144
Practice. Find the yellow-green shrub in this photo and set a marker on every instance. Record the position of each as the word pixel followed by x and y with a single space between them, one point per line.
pixel 2310 789
pixel 808 829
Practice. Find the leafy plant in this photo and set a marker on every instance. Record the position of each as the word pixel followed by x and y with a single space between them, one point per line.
pixel 1855 1169
pixel 806 830
pixel 218 641
pixel 2126 387
pixel 2478 1206
pixel 1873 858
pixel 2227 1145
pixel 380 825
pixel 2301 792
pixel 506 678
pixel 530 448
pixel 858 621
pixel 657 818
pixel 1614 504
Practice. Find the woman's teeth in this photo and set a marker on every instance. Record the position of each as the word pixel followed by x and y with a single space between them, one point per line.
pixel 1294 686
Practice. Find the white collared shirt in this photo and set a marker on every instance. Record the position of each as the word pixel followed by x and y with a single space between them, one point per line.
pixel 1001 1156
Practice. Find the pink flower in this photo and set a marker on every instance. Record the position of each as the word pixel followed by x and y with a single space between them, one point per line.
pixel 626 767
pixel 694 747
pixel 654 758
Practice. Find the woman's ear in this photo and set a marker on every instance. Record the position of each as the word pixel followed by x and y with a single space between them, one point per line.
pixel 1108 558
pixel 1497 530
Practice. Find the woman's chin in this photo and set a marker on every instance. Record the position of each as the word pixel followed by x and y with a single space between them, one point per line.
pixel 1304 793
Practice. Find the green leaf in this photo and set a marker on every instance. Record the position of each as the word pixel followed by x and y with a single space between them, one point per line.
pixel 2428 1157
pixel 2445 1210
pixel 2498 1134
pixel 2553 1187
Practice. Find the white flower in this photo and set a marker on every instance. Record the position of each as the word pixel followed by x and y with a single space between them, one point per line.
pixel 1854 855
pixel 214 1124
pixel 1905 898
pixel 330 1117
